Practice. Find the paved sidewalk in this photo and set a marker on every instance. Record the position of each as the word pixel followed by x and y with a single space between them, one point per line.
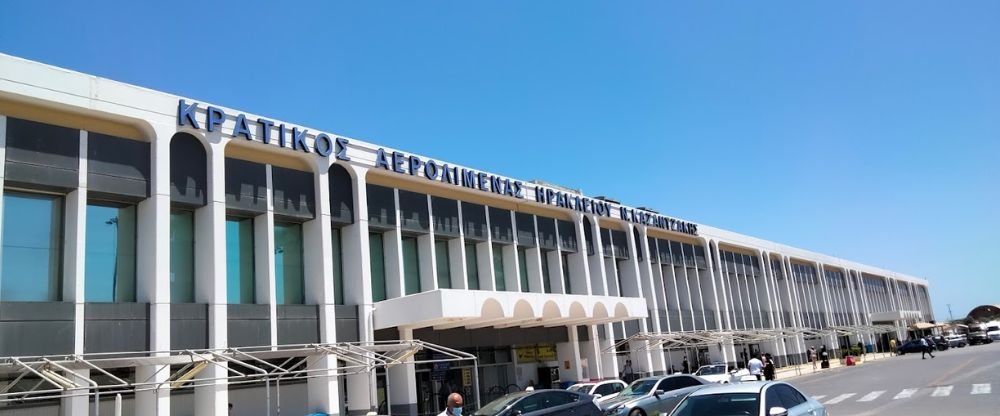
pixel 792 371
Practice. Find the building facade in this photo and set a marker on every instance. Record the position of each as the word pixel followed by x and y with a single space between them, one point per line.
pixel 136 220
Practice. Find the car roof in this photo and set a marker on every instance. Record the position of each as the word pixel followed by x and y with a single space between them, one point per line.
pixel 657 378
pixel 749 387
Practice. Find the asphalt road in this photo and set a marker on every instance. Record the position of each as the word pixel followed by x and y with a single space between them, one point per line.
pixel 959 382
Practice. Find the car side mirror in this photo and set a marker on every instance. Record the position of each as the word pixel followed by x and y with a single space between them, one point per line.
pixel 777 411
pixel 598 395
pixel 659 393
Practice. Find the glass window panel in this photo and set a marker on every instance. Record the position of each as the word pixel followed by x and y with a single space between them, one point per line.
pixel 565 273
pixel 443 264
pixel 289 274
pixel 338 268
pixel 498 274
pixel 411 266
pixel 546 280
pixel 32 248
pixel 181 256
pixel 522 268
pixel 240 276
pixel 472 266
pixel 109 274
pixel 377 253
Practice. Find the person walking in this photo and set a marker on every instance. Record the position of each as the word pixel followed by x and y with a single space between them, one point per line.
pixel 756 367
pixel 892 346
pixel 454 407
pixel 812 356
pixel 927 349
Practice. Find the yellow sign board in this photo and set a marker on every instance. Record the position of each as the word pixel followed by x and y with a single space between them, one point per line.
pixel 546 353
pixel 535 353
pixel 466 376
pixel 526 354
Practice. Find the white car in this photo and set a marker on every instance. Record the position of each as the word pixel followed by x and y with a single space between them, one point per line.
pixel 993 330
pixel 718 373
pixel 602 390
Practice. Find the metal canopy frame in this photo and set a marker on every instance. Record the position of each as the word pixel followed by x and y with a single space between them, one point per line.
pixel 54 377
pixel 701 338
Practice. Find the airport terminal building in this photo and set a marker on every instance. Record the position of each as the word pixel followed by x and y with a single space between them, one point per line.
pixel 200 252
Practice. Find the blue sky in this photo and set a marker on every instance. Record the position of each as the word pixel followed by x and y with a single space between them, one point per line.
pixel 865 130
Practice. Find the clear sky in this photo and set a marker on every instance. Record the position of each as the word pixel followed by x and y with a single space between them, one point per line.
pixel 866 130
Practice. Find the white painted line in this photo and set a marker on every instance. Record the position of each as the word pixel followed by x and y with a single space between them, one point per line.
pixel 905 394
pixel 818 398
pixel 981 388
pixel 840 398
pixel 943 391
pixel 871 396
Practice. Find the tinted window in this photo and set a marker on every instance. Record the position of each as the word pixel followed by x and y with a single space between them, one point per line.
pixel 719 404
pixel 772 399
pixel 618 387
pixel 606 389
pixel 667 384
pixel 789 396
pixel 685 381
pixel 32 248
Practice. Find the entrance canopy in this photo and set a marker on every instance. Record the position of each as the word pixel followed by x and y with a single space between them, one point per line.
pixel 50 377
pixel 452 308
pixel 693 339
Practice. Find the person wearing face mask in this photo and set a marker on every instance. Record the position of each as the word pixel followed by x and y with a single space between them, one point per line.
pixel 454 407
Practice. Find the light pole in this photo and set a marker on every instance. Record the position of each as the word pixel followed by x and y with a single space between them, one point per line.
pixel 114 273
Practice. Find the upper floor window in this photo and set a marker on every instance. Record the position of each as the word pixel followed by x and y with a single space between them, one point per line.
pixel 32 248
pixel 288 267
pixel 109 274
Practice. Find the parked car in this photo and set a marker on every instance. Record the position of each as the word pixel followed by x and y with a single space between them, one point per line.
pixel 541 402
pixel 940 343
pixel 648 396
pixel 778 398
pixel 957 341
pixel 993 331
pixel 912 345
pixel 719 373
pixel 977 335
pixel 603 390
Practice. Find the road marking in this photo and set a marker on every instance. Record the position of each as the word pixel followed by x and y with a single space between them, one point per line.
pixel 818 398
pixel 871 396
pixel 905 394
pixel 840 398
pixel 981 388
pixel 943 391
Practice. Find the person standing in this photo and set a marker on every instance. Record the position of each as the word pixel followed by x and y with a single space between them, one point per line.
pixel 685 366
pixel 768 367
pixel 892 346
pixel 756 367
pixel 454 407
pixel 927 349
pixel 628 374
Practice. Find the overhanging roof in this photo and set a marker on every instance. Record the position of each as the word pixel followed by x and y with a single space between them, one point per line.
pixel 454 308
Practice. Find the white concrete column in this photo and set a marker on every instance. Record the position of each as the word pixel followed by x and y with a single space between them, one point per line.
pixel 631 282
pixel 554 261
pixel 392 241
pixel 645 276
pixel 579 271
pixel 534 262
pixel 591 351
pixel 569 352
pixel 456 255
pixel 323 392
pixel 428 261
pixel 210 275
pixel 403 383
pixel 717 294
pixel 511 276
pixel 74 254
pixel 357 270
pixel 153 270
pixel 595 262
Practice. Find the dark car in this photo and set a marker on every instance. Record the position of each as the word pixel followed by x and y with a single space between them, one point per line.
pixel 940 343
pixel 914 346
pixel 541 402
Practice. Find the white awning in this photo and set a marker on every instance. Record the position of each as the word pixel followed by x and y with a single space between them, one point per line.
pixel 453 308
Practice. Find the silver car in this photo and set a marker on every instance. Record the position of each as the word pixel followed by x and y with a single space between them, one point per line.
pixel 771 398
pixel 651 395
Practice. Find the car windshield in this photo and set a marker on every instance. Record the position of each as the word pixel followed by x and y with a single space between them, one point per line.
pixel 710 369
pixel 730 404
pixel 582 388
pixel 500 404
pixel 639 387
pixel 993 328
